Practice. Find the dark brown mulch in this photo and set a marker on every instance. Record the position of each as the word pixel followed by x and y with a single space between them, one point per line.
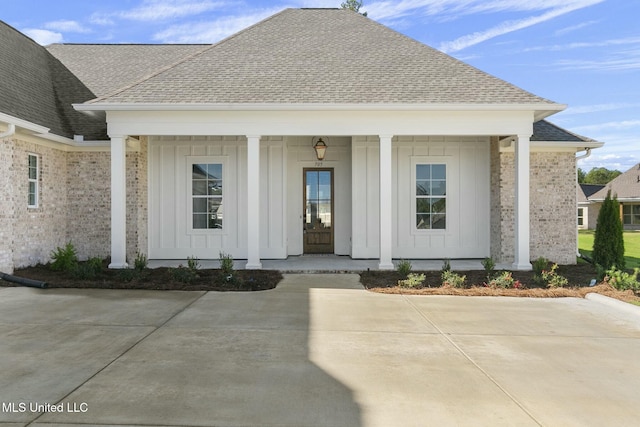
pixel 155 279
pixel 579 277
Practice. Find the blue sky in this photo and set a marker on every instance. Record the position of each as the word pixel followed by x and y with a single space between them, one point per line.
pixel 584 53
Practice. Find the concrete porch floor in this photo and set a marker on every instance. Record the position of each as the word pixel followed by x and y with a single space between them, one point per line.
pixel 331 264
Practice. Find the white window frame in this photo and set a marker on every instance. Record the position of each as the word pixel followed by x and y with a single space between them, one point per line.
pixel 35 181
pixel 581 216
pixel 430 160
pixel 191 160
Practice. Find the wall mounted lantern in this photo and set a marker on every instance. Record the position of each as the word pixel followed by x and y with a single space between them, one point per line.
pixel 320 148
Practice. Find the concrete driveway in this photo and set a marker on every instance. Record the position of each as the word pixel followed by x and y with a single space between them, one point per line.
pixel 316 351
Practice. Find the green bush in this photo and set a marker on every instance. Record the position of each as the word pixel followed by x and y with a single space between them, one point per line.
pixel 622 280
pixel 412 281
pixel 404 267
pixel 504 280
pixel 608 243
pixel 64 259
pixel 226 263
pixel 446 265
pixel 489 265
pixel 540 265
pixel 193 263
pixel 183 274
pixel 449 278
pixel 141 262
pixel 553 279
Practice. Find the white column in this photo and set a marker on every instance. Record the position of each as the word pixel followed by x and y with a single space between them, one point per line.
pixel 253 202
pixel 118 202
pixel 522 227
pixel 385 203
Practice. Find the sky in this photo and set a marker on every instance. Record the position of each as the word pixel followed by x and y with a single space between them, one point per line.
pixel 583 53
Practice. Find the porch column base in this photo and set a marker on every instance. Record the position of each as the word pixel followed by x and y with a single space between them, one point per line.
pixel 522 267
pixel 253 266
pixel 386 266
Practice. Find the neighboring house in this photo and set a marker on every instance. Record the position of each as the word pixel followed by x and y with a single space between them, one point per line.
pixel 626 187
pixel 189 150
pixel 587 210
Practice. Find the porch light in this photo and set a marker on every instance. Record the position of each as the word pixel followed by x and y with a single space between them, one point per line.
pixel 320 148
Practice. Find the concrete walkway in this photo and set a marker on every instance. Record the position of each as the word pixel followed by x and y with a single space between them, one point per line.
pixel 316 351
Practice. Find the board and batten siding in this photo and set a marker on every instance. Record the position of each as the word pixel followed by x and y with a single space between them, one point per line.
pixel 467 234
pixel 170 236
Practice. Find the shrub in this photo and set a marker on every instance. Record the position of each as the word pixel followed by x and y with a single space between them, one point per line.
pixel 183 274
pixel 553 279
pixel 539 265
pixel 140 263
pixel 449 278
pixel 193 263
pixel 412 281
pixel 64 259
pixel 226 263
pixel 489 265
pixel 404 267
pixel 446 265
pixel 608 243
pixel 504 280
pixel 126 275
pixel 622 280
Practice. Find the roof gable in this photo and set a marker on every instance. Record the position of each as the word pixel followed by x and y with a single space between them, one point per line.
pixel 37 88
pixel 624 186
pixel 321 56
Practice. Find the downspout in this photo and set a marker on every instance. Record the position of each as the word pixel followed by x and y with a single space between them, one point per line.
pixel 11 129
pixel 582 156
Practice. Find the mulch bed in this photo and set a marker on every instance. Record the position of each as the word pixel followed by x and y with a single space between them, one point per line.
pixel 155 279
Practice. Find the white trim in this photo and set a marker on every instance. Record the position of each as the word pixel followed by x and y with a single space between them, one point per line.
pixel 36 181
pixel 191 160
pixel 551 146
pixel 429 160
pixel 253 203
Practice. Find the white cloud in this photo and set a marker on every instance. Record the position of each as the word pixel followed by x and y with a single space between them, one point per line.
pixel 210 31
pixel 596 108
pixel 156 10
pixel 66 26
pixel 573 28
pixel 617 125
pixel 511 26
pixel 43 37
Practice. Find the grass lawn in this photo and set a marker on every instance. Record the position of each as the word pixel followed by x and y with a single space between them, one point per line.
pixel 631 246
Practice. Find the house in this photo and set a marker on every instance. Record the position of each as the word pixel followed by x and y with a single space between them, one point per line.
pixel 626 187
pixel 189 150
pixel 587 210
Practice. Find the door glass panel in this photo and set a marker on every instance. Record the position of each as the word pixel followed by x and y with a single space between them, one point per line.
pixel 318 205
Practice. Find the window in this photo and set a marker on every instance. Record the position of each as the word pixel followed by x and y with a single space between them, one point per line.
pixel 206 195
pixel 631 214
pixel 34 177
pixel 431 196
pixel 580 217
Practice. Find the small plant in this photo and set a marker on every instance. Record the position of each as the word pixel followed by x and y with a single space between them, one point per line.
pixel 539 265
pixel 621 280
pixel 193 263
pixel 226 263
pixel 489 265
pixel 183 274
pixel 553 279
pixel 451 279
pixel 140 263
pixel 404 267
pixel 504 280
pixel 64 259
pixel 127 275
pixel 446 265
pixel 412 281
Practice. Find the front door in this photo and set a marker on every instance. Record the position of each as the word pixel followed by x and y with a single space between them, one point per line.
pixel 318 211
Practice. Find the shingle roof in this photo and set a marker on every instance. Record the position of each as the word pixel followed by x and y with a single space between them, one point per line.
pixel 546 131
pixel 625 186
pixel 104 68
pixel 322 56
pixel 36 87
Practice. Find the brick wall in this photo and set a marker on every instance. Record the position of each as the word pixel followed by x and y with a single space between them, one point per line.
pixel 552 201
pixel 6 205
pixel 38 231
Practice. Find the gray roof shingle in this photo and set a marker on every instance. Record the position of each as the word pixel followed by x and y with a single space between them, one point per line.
pixel 546 131
pixel 321 56
pixel 36 87
pixel 104 68
pixel 625 186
